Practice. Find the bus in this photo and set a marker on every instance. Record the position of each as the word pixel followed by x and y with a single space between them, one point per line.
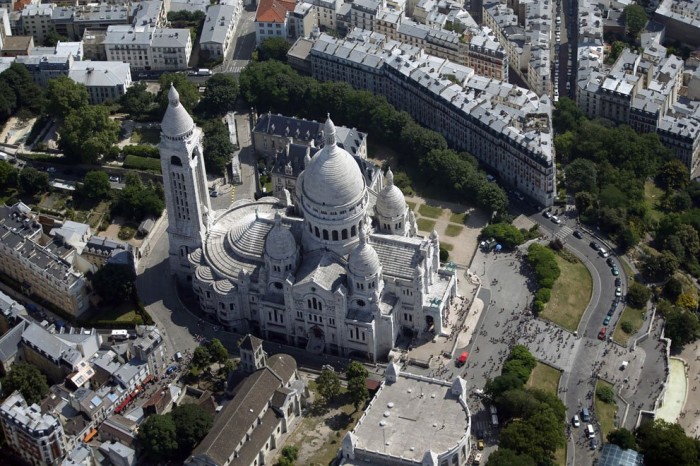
pixel 119 335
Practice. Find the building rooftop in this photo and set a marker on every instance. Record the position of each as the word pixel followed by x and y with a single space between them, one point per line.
pixel 412 416
pixel 217 24
pixel 100 73
pixel 274 11
pixel 613 455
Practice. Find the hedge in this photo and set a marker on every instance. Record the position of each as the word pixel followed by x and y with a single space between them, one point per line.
pixel 142 151
pixel 142 163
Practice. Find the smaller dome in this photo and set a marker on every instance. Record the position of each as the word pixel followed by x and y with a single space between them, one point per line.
pixel 391 201
pixel 280 243
pixel 363 260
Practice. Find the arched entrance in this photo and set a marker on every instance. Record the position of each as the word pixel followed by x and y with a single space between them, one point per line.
pixel 429 323
pixel 317 340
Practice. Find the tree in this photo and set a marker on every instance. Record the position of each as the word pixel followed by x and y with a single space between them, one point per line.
pixel 635 19
pixel 672 175
pixel 507 457
pixel 158 437
pixel 517 368
pixel 192 424
pixel 52 38
pixel 617 48
pixel 26 379
pixel 357 374
pixel 189 94
pixel 201 358
pixel 221 94
pixel 65 96
pixel 88 133
pixel 581 175
pixel 521 353
pixel 8 100
pixel 217 146
pixel 687 301
pixel 638 295
pixel 137 200
pixel 627 327
pixel 228 367
pixel 137 100
pixel 501 384
pixel 217 351
pixel 288 456
pixel 32 181
pixel 659 267
pixel 505 233
pixel 273 48
pixel 328 384
pixel 682 327
pixel 491 197
pixel 663 443
pixel 673 289
pixel 27 94
pixel 566 115
pixel 623 438
pixel 8 174
pixel 95 185
pixel 114 282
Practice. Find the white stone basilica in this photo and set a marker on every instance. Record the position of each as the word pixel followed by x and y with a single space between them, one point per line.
pixel 342 270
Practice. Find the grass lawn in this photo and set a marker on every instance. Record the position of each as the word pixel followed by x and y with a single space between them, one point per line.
pixel 652 196
pixel 570 295
pixel 429 211
pixel 411 205
pixel 460 218
pixel 626 267
pixel 425 224
pixel 146 136
pixel 453 230
pixel 546 378
pixel 604 412
pixel 632 314
pixel 123 313
pixel 447 246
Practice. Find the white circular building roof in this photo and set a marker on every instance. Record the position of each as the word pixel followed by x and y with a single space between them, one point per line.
pixel 333 177
pixel 363 261
pixel 280 243
pixel 176 122
pixel 391 201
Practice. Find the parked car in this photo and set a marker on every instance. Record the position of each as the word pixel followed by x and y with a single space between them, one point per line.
pixel 114 179
pixel 51 170
pixel 607 320
pixel 594 444
pixel 611 311
pixel 555 219
pixel 214 194
pixel 602 252
pixel 614 271
pixel 618 281
pixel 618 291
pixel 595 245
pixel 546 214
pixel 576 421
pixel 480 444
pixel 610 262
pixel 578 234
pixel 602 333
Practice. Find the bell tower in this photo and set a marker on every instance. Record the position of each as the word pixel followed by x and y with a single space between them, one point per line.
pixel 185 185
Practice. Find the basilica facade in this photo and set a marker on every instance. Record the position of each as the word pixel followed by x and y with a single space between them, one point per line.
pixel 337 267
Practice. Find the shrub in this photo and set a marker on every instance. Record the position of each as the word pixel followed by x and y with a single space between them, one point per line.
pixel 605 394
pixel 543 295
pixel 537 307
pixel 142 151
pixel 627 327
pixel 444 254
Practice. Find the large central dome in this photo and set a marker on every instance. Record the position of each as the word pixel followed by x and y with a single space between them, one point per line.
pixel 333 177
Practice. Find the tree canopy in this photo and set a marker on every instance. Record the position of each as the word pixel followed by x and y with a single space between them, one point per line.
pixel 663 444
pixel 328 384
pixel 26 378
pixel 635 19
pixel 189 94
pixel 32 181
pixel 638 295
pixel 507 457
pixel 192 423
pixel 114 282
pixel 505 233
pixel 158 437
pixel 137 101
pixel 357 375
pixel 65 96
pixel 218 148
pixel 172 436
pixel 87 134
pixel 138 200
pixel 273 48
pixel 220 94
pixel 95 185
pixel 27 95
pixel 623 438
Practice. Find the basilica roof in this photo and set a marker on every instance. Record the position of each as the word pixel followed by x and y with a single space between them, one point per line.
pixel 322 268
pixel 363 261
pixel 333 178
pixel 280 244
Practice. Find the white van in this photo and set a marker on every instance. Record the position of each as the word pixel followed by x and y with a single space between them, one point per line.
pixel 589 431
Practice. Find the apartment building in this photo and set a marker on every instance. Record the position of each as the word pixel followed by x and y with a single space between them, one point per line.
pixel 302 21
pixel 681 19
pixel 36 21
pixel 36 436
pixel 271 19
pixel 149 49
pixel 326 11
pixel 218 30
pixel 104 80
pixel 363 14
pixel 506 127
pixel 41 266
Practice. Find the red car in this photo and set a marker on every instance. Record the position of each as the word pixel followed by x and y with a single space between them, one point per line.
pixel 462 359
pixel 601 334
